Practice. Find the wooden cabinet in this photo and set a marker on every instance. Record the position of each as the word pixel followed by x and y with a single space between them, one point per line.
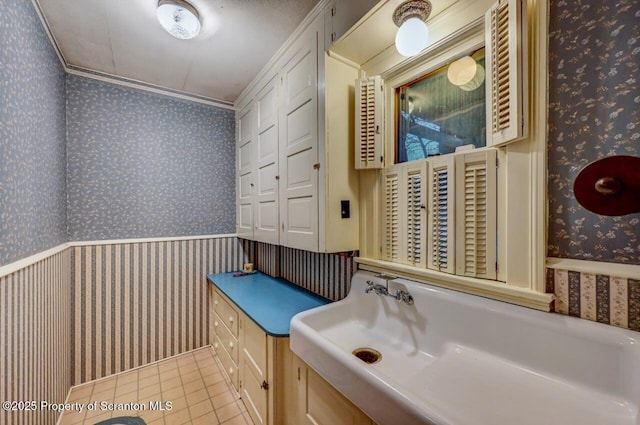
pixel 244 172
pixel 225 336
pixel 342 15
pixel 318 403
pixel 257 364
pixel 300 110
pixel 265 206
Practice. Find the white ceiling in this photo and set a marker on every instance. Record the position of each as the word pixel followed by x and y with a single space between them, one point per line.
pixel 123 38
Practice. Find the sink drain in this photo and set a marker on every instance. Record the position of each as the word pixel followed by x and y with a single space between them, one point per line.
pixel 367 355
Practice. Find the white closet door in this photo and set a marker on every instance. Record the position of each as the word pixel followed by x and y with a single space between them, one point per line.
pixel 299 146
pixel 266 154
pixel 244 160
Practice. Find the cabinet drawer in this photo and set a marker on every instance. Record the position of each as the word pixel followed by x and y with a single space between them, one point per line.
pixel 226 312
pixel 230 368
pixel 225 338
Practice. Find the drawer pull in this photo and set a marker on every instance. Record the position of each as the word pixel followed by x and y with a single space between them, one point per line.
pixel 215 345
pixel 230 344
pixel 215 302
pixel 230 371
pixel 215 323
pixel 230 319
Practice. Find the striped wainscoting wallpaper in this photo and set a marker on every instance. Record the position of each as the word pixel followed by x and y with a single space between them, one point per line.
pixel 601 298
pixel 328 275
pixel 35 318
pixel 266 257
pixel 135 303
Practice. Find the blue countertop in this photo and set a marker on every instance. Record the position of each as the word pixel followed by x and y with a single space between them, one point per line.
pixel 269 302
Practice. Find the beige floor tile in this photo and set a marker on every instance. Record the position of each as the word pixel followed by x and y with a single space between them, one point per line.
pixel 192 376
pixel 236 420
pixel 103 396
pixel 149 393
pixel 104 385
pixel 149 380
pixel 207 362
pixel 168 374
pixel 131 397
pixel 223 399
pixel 200 409
pixel 197 396
pixel 178 417
pixel 167 365
pixel 213 370
pixel 208 419
pixel 173 394
pixel 193 383
pixel 81 392
pixel 203 352
pixel 152 415
pixel 127 388
pixel 148 373
pixel 101 417
pixel 228 411
pixel 127 378
pixel 213 379
pixel 194 386
pixel 218 388
pixel 167 384
pixel 91 416
pixel 187 364
pixel 72 418
pixel 178 404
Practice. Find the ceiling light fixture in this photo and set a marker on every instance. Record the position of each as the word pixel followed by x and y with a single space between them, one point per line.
pixel 466 73
pixel 179 18
pixel 413 34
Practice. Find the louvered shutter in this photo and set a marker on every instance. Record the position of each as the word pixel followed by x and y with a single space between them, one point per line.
pixel 507 99
pixel 415 187
pixel 476 222
pixel 391 214
pixel 369 123
pixel 441 203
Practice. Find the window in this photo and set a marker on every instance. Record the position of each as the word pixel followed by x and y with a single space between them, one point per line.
pixel 442 110
pixel 441 219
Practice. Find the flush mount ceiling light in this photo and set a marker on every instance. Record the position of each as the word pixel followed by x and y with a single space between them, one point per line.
pixel 466 73
pixel 413 35
pixel 178 18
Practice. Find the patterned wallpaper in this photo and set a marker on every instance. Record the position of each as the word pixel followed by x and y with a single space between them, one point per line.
pixel 32 136
pixel 146 165
pixel 594 112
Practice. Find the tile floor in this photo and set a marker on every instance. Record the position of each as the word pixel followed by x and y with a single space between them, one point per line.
pixel 193 382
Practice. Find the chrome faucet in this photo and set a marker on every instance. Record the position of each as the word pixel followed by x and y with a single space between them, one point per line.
pixel 377 288
pixel 400 295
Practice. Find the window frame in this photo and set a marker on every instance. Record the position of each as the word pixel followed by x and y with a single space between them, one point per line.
pixel 394 120
pixel 522 201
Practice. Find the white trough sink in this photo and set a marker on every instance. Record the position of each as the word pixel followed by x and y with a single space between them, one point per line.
pixel 457 359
